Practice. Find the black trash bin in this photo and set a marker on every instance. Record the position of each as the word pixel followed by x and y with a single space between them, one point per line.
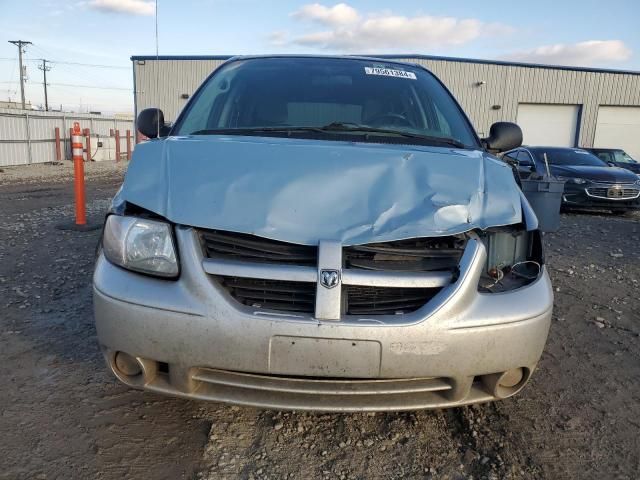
pixel 545 197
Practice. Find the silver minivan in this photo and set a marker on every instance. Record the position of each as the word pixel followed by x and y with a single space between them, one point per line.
pixel 322 233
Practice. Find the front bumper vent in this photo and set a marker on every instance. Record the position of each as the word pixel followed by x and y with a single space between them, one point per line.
pixel 271 294
pixel 364 300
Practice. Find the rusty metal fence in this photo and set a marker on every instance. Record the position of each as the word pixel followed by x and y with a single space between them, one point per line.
pixel 29 136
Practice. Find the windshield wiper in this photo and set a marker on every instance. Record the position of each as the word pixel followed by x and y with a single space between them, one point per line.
pixel 246 130
pixel 354 127
pixel 334 127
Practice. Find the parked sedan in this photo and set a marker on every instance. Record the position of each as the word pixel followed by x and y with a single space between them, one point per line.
pixel 616 157
pixel 590 182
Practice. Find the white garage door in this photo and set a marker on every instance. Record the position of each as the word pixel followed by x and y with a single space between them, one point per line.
pixel 548 125
pixel 619 127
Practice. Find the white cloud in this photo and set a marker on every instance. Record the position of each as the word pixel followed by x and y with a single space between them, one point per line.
pixel 134 7
pixel 592 52
pixel 350 31
pixel 278 38
pixel 340 14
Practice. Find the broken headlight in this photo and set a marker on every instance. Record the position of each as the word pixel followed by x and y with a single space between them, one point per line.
pixel 514 259
pixel 141 245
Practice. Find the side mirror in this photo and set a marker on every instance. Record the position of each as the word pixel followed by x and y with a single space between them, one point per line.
pixel 503 136
pixel 151 121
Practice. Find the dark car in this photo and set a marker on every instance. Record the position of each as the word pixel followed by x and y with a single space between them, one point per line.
pixel 616 157
pixel 590 182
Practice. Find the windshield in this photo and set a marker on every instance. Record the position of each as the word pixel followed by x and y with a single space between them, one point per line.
pixel 347 95
pixel 569 156
pixel 620 156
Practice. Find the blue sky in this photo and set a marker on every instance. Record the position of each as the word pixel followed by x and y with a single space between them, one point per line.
pixel 108 32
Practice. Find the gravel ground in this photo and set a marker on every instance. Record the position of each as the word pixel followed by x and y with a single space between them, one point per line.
pixel 47 173
pixel 64 416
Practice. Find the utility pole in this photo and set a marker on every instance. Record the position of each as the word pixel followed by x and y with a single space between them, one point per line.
pixel 20 44
pixel 45 69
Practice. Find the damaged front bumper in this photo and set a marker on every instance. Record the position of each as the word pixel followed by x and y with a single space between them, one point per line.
pixel 191 339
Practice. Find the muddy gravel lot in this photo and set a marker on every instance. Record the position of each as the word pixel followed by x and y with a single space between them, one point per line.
pixel 63 415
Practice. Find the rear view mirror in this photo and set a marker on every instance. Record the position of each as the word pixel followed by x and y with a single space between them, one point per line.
pixel 151 123
pixel 503 136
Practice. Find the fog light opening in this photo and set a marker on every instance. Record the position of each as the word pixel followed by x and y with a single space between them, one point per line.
pixel 506 384
pixel 127 366
pixel 511 378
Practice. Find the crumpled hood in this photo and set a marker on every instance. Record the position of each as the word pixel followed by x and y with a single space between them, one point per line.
pixel 304 191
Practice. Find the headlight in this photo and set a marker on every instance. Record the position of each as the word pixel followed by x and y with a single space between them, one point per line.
pixel 141 245
pixel 577 181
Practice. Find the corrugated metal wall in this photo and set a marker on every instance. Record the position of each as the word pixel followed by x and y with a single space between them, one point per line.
pixel 161 83
pixel 29 137
pixel 506 86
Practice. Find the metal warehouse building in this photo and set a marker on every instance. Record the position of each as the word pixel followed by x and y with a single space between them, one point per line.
pixel 554 105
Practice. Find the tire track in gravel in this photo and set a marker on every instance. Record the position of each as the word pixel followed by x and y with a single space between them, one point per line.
pixel 489 449
pixel 449 444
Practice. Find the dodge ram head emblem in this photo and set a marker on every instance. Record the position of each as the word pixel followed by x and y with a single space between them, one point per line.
pixel 329 278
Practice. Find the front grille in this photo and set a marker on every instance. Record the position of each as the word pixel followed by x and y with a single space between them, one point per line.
pixel 361 300
pixel 414 255
pixel 603 192
pixel 271 294
pixel 250 248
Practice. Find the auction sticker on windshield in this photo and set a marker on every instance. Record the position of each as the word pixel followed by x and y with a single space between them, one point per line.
pixel 388 72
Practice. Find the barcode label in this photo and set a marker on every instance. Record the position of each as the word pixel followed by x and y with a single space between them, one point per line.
pixel 388 72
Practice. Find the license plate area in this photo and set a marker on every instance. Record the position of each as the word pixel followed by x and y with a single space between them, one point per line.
pixel 324 357
pixel 615 192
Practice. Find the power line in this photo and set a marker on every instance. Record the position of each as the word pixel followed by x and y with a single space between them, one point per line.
pixel 13 71
pixel 13 82
pixel 80 64
pixel 45 53
pixel 89 86
pixel 96 65
pixel 84 76
pixel 82 72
